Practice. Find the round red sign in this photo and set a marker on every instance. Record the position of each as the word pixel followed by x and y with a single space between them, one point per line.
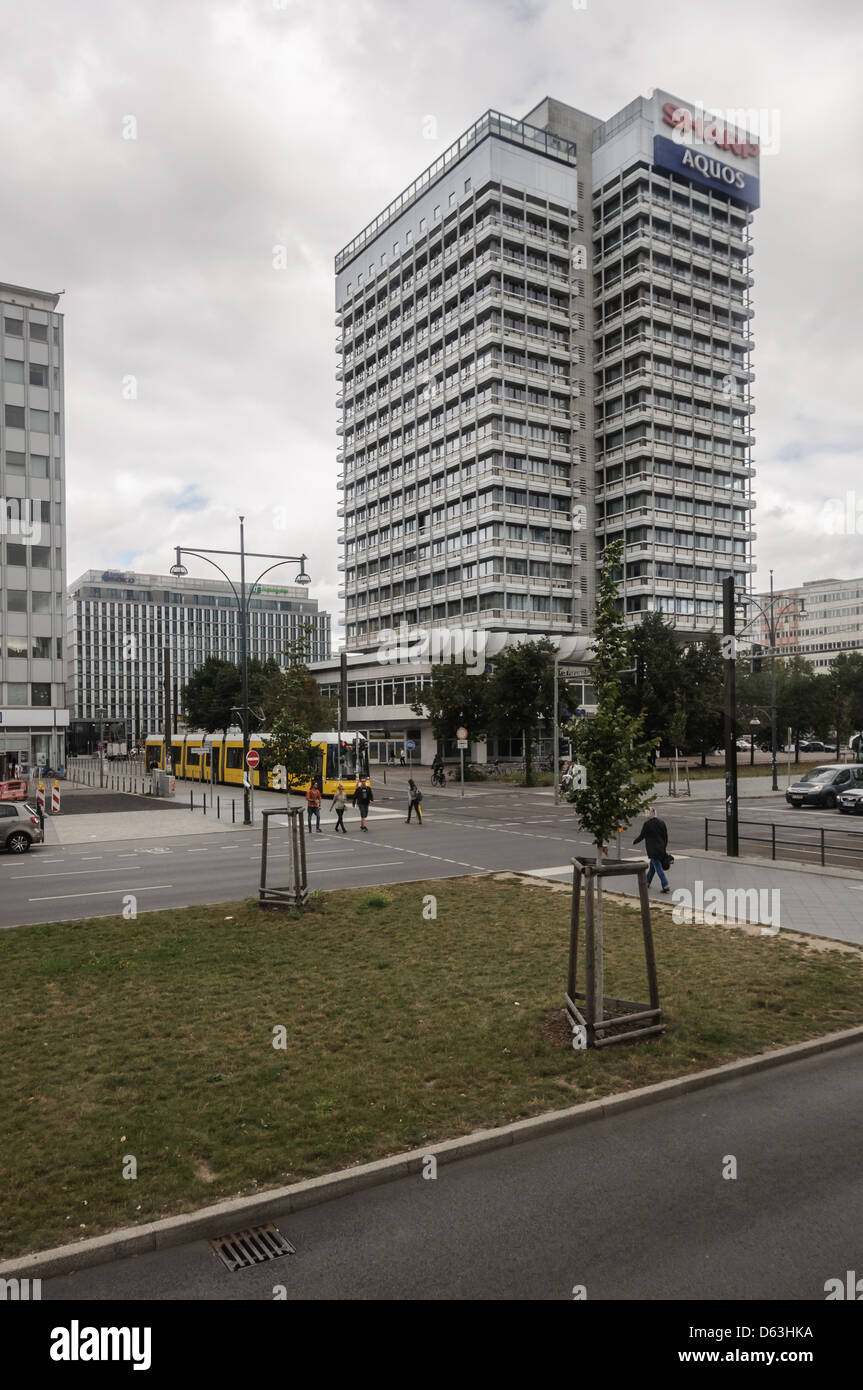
pixel 253 757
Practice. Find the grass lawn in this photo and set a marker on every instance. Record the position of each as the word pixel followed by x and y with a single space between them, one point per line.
pixel 154 1037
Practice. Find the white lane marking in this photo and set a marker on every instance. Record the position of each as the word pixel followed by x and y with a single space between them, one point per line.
pixel 72 872
pixel 439 858
pixel 100 893
pixel 85 857
pixel 381 864
pixel 198 851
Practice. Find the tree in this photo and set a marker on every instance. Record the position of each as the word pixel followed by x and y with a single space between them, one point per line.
pixel 611 747
pixel 653 649
pixel 289 746
pixel 454 697
pixel 521 691
pixel 703 677
pixel 213 695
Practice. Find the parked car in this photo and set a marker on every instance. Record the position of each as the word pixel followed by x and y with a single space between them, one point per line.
pixel 822 786
pixel 812 745
pixel 13 790
pixel 19 827
pixel 851 802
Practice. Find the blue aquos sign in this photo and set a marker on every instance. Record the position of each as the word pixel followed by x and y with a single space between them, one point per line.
pixel 706 169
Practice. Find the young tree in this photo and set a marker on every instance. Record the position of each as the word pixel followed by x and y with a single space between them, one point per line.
pixel 611 747
pixel 289 746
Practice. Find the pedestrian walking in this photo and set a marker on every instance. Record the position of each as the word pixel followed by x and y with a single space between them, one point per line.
pixel 363 798
pixel 416 797
pixel 313 805
pixel 402 762
pixel 340 802
pixel 654 833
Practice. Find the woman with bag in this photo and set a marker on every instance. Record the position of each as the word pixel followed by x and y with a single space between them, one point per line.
pixel 416 797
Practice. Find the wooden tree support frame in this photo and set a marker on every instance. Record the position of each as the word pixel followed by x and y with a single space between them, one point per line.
pixel 678 773
pixel 601 1020
pixel 296 893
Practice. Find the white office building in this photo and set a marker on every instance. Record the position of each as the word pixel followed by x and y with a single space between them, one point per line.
pixel 33 714
pixel 544 346
pixel 119 625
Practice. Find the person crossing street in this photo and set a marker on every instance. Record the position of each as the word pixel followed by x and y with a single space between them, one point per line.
pixel 654 833
pixel 362 799
pixel 340 802
pixel 415 798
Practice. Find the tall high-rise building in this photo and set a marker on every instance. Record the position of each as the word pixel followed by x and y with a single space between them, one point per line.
pixel 544 346
pixel 119 625
pixel 33 714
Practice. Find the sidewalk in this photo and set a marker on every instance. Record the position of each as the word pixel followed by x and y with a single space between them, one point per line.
pixel 807 902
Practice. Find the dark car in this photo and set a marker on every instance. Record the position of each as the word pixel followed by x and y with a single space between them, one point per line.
pixel 851 802
pixel 811 745
pixel 822 786
pixel 19 827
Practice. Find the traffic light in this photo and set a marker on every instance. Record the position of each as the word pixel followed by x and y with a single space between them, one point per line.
pixel 755 659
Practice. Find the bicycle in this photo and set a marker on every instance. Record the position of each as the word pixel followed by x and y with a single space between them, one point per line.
pixel 438 777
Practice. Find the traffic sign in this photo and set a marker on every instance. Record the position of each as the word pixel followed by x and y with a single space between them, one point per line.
pixel 253 757
pixel 410 745
pixel 461 733
pixel 462 743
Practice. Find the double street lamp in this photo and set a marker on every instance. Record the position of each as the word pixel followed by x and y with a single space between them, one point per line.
pixel 243 598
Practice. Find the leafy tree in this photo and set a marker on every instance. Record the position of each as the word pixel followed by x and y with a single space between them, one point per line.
pixel 214 693
pixel 611 747
pixel 703 678
pixel 452 698
pixel 653 649
pixel 289 746
pixel 521 692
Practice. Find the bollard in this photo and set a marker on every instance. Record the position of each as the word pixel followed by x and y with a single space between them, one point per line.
pixel 218 809
pixel 191 802
pixel 204 802
pixel 233 811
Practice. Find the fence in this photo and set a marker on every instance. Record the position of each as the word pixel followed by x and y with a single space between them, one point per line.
pixel 845 846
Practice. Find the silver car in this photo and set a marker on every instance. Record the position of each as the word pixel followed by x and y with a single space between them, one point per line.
pixel 19 827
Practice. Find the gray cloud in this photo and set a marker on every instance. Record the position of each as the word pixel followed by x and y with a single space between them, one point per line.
pixel 261 126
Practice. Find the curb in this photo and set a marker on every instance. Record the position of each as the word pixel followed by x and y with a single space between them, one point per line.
pixel 796 866
pixel 241 1212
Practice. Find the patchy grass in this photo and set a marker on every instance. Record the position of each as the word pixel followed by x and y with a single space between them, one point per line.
pixel 154 1038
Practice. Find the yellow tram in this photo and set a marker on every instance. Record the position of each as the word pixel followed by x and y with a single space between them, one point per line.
pixel 198 757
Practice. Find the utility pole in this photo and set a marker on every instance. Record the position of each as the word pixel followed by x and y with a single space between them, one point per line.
pixel 730 649
pixel 166 693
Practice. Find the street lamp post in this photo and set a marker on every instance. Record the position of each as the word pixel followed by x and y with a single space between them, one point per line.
pixel 100 715
pixel 243 599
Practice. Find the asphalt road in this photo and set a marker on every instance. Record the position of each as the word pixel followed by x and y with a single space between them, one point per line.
pixel 631 1207
pixel 488 830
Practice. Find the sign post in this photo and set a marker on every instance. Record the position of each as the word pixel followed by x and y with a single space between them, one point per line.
pixel 253 757
pixel 461 735
pixel 410 746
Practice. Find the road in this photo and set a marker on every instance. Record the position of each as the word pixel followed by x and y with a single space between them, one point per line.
pixel 489 830
pixel 631 1207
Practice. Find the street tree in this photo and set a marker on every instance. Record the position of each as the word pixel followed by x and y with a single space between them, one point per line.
pixel 454 697
pixel 653 651
pixel 289 746
pixel 213 695
pixel 521 692
pixel 702 681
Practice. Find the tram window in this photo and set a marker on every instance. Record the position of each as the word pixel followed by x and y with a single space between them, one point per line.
pixel 233 757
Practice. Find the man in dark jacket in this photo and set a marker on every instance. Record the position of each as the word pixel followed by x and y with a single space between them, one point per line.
pixel 363 797
pixel 654 833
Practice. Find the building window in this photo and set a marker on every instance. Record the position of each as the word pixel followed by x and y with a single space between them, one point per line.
pixel 15 416
pixel 14 327
pixel 437 212
pixel 467 185
pixel 39 332
pixel 423 224
pixel 40 694
pixel 38 374
pixel 15 462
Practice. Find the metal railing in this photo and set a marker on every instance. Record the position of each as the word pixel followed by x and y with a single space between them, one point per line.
pixel 845 846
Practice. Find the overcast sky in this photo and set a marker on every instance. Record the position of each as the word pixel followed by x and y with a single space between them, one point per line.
pixel 200 379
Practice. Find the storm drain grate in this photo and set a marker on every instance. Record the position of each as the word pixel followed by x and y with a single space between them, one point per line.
pixel 252 1247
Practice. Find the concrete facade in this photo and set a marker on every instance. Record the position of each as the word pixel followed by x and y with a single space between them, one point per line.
pixel 33 715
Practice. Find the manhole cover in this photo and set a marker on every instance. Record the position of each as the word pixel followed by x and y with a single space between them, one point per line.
pixel 251 1247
